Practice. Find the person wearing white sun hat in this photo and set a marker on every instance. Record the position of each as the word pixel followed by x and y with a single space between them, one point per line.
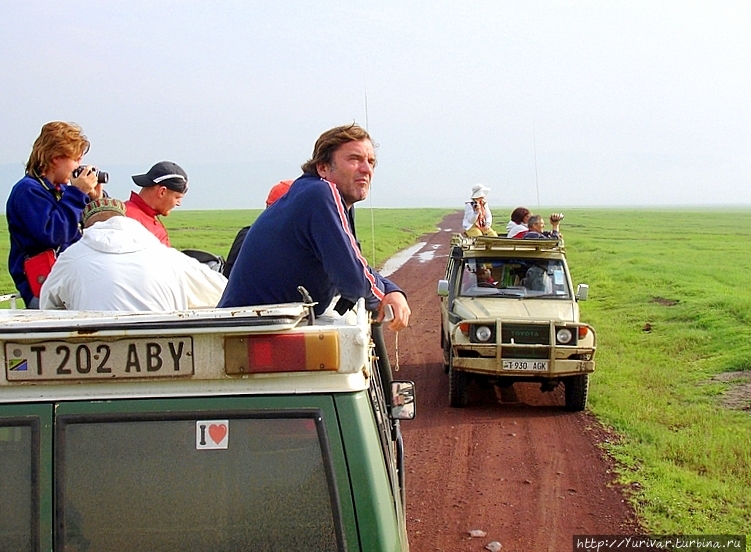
pixel 478 220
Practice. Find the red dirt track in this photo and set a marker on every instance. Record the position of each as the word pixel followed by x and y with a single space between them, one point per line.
pixel 514 463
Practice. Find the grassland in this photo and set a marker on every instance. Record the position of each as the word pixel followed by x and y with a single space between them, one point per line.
pixel 671 300
pixel 214 231
pixel 394 229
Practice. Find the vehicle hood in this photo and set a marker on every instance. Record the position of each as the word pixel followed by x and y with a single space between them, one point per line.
pixel 516 309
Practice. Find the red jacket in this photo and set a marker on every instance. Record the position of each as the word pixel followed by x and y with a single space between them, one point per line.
pixel 136 208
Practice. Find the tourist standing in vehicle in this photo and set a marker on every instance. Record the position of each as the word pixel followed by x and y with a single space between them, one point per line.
pixel 44 207
pixel 518 223
pixel 162 189
pixel 537 228
pixel 307 238
pixel 276 191
pixel 478 220
pixel 119 265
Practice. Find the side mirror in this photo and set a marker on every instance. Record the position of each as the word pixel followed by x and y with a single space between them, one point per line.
pixel 443 288
pixel 402 400
pixel 582 292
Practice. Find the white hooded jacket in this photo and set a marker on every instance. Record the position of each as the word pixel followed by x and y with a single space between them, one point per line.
pixel 119 265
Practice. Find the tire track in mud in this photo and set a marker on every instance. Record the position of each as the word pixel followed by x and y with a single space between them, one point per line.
pixel 513 463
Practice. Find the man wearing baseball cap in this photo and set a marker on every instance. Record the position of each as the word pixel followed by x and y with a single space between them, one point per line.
pixel 162 189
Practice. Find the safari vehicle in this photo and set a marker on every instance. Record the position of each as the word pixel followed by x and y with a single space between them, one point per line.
pixel 221 429
pixel 509 314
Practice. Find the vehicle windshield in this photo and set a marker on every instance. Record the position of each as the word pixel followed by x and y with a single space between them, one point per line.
pixel 522 278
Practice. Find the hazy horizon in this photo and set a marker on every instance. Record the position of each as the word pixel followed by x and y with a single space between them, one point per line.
pixel 577 104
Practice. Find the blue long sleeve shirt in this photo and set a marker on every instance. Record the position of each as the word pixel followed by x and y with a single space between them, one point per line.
pixel 38 221
pixel 304 239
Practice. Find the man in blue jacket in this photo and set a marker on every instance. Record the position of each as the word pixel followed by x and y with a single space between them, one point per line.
pixel 307 237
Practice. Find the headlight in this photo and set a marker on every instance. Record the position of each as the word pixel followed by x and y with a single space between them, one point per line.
pixel 483 334
pixel 564 336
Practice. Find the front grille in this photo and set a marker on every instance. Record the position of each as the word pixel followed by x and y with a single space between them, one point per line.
pixel 525 334
pixel 525 352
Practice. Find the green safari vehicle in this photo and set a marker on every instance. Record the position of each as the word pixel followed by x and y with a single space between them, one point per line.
pixel 215 430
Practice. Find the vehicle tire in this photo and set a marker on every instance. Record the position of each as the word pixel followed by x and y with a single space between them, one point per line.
pixel 446 356
pixel 577 389
pixel 458 382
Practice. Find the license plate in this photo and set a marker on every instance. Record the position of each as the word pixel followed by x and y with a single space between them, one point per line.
pixel 116 359
pixel 526 365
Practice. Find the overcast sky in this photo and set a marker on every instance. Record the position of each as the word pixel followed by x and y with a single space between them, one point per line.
pixel 580 103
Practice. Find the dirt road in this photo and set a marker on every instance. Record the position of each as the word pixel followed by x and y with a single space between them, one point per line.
pixel 512 464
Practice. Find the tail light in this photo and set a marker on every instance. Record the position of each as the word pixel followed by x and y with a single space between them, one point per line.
pixel 273 353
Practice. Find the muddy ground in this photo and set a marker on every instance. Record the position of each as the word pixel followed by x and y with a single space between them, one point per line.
pixel 514 464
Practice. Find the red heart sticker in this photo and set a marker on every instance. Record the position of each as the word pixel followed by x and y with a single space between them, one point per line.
pixel 217 432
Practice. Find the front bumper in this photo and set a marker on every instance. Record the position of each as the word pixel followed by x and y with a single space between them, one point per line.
pixel 494 367
pixel 524 352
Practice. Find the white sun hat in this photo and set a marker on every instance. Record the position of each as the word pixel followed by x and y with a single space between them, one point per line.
pixel 478 190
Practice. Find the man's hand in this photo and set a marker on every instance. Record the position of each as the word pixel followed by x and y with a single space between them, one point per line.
pixel 555 221
pixel 402 312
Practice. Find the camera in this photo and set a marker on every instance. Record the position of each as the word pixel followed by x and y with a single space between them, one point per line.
pixel 101 176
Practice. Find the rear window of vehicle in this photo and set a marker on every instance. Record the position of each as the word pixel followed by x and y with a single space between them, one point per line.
pixel 225 483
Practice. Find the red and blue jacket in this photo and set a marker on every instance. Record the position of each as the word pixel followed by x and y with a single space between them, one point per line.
pixel 38 220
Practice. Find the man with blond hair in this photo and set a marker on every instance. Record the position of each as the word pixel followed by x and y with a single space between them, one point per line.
pixel 307 238
pixel 44 207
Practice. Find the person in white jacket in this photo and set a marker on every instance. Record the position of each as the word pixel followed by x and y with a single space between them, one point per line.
pixel 478 220
pixel 118 265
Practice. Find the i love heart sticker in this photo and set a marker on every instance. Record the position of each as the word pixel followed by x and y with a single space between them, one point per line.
pixel 212 434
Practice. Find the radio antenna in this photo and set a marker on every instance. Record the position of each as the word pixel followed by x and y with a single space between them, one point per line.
pixel 372 217
pixel 534 148
pixel 365 90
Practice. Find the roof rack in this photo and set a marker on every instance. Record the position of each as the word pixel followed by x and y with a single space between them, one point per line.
pixel 489 243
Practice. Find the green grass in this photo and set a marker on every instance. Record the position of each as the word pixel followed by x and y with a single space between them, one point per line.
pixel 214 231
pixel 394 229
pixel 688 457
pixel 686 274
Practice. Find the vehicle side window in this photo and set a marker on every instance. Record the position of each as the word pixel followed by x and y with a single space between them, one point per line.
pixel 17 524
pixel 469 276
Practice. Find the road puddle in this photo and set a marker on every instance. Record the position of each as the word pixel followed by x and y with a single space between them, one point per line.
pixel 396 262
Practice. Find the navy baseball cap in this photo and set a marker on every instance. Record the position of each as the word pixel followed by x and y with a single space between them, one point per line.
pixel 165 173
